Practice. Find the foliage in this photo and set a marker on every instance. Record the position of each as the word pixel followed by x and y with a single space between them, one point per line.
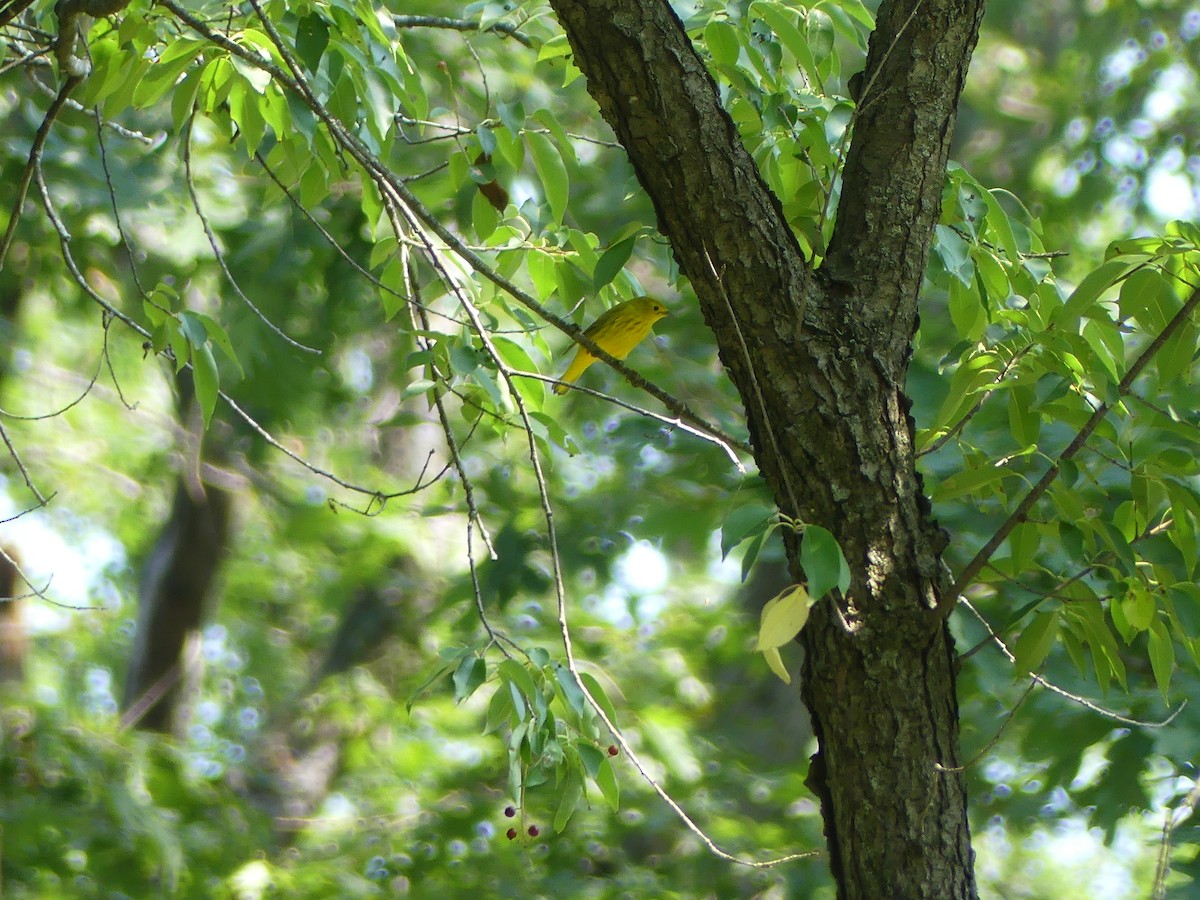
pixel 317 176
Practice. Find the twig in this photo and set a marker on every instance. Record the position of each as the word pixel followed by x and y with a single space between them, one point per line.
pixel 216 248
pixel 42 592
pixel 58 412
pixel 995 738
pixel 35 154
pixel 117 128
pixel 1074 698
pixel 973 411
pixel 12 451
pixel 1172 819
pixel 112 199
pixel 502 28
pixel 727 447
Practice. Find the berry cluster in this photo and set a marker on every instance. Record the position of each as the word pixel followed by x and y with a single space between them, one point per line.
pixel 511 834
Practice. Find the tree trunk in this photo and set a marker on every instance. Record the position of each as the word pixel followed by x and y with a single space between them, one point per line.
pixel 176 579
pixel 819 358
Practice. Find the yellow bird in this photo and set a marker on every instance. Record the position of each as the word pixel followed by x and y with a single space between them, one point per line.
pixel 617 331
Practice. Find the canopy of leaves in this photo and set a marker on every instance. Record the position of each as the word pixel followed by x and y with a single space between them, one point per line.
pixel 368 234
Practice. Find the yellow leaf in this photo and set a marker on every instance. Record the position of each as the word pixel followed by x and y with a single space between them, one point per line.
pixel 782 618
pixel 775 661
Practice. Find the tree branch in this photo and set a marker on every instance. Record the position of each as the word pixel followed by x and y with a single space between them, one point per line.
pixel 975 566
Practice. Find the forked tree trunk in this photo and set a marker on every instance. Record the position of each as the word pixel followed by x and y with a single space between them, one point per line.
pixel 820 359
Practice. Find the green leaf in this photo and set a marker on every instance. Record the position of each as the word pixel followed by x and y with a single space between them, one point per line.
pixel 484 217
pixel 1106 345
pixel 967 310
pixel 721 39
pixel 551 171
pixel 312 37
pixel 1174 360
pixel 745 522
pixel 193 328
pixel 612 262
pixel 591 757
pixel 1139 298
pixel 554 48
pixel 470 674
pixel 500 709
pixel 183 99
pixel 823 563
pixel 1162 658
pixel 1137 607
pixel 517 674
pixel 775 662
pixel 1026 425
pixel 570 692
pixel 166 71
pixel 561 140
pixel 253 75
pixel 955 254
pixel 782 22
pixel 1035 642
pixel 1023 543
pixel 601 698
pixel 972 481
pixel 204 374
pixel 216 333
pixel 999 226
pixel 606 780
pixel 1089 290
pixel 572 793
pixel 992 276
pixel 782 618
pixel 1106 655
pixel 752 550
pixel 179 343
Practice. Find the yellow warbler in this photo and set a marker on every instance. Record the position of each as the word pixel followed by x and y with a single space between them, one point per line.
pixel 617 331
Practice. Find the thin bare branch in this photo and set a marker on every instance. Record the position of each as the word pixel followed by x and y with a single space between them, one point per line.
pixel 58 412
pixel 35 155
pixel 220 257
pixel 1074 698
pixel 12 451
pixel 501 28
pixel 42 592
pixel 995 738
pixel 115 127
pixel 1172 819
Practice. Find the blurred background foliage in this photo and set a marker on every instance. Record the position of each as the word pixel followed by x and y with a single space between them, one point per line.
pixel 294 766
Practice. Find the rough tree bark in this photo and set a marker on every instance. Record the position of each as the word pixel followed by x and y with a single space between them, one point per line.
pixel 819 358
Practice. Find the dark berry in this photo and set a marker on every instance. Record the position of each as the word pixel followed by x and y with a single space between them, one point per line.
pixel 511 833
pixel 612 750
pixel 533 831
pixel 509 811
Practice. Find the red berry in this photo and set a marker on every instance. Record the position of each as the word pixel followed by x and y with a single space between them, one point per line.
pixel 509 811
pixel 533 831
pixel 511 833
pixel 612 750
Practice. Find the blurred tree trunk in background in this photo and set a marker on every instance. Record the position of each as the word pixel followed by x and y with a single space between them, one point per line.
pixel 176 580
pixel 13 642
